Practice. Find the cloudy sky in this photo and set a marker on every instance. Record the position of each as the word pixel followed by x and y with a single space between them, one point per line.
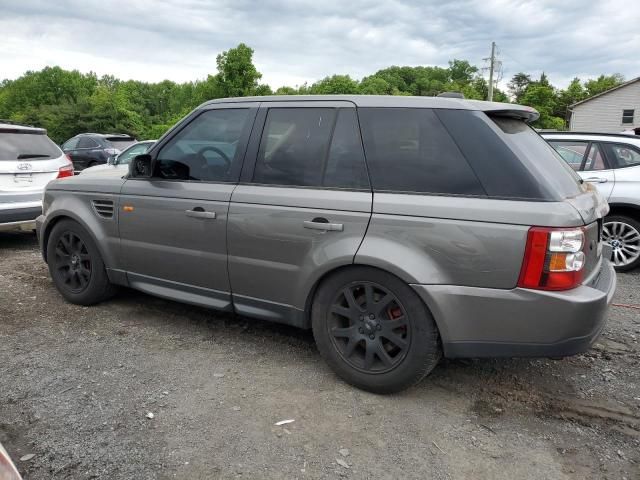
pixel 304 40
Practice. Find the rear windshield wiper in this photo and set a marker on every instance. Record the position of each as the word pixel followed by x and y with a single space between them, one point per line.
pixel 22 156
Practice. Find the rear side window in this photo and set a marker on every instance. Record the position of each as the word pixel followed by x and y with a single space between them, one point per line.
pixel 622 155
pixel 571 152
pixel 312 147
pixel 510 158
pixel 409 150
pixel 18 145
pixel 86 142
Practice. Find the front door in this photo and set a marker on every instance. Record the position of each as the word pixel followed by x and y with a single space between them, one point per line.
pixel 597 170
pixel 173 226
pixel 301 209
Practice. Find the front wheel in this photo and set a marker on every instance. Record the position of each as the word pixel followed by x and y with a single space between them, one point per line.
pixel 374 331
pixel 623 234
pixel 76 266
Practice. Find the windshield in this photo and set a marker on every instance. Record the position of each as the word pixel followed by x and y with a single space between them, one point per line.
pixel 26 145
pixel 121 143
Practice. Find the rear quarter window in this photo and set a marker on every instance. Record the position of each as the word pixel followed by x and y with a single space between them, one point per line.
pixel 511 160
pixel 409 150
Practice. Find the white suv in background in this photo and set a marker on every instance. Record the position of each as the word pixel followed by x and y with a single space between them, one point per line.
pixel 612 163
pixel 28 161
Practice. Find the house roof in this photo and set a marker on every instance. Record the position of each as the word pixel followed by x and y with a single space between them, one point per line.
pixel 622 85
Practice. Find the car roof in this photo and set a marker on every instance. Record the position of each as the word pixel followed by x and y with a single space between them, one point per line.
pixel 10 126
pixel 605 137
pixel 105 135
pixel 397 101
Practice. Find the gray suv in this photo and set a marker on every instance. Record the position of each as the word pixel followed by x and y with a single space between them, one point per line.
pixel 399 229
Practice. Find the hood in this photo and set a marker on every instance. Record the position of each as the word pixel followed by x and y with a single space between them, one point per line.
pixel 102 181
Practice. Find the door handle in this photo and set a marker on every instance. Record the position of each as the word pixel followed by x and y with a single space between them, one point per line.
pixel 596 180
pixel 323 224
pixel 199 212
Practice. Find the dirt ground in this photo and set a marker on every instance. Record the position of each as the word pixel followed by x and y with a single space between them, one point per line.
pixel 77 386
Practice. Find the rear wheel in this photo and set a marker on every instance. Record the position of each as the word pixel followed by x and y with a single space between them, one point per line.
pixel 374 331
pixel 76 266
pixel 623 234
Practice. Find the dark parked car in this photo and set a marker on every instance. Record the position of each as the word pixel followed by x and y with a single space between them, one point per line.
pixel 91 149
pixel 399 229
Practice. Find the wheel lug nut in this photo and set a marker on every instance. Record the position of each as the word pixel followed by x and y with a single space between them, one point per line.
pixel 372 316
pixel 372 336
pixel 361 331
pixel 378 327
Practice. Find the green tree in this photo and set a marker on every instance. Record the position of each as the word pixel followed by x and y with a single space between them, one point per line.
pixel 602 83
pixel 518 85
pixel 237 75
pixel 336 84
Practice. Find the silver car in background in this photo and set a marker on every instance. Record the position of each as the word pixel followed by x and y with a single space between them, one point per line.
pixel 612 163
pixel 121 161
pixel 28 161
pixel 398 229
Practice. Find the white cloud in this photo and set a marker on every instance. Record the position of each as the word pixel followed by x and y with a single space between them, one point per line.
pixel 298 41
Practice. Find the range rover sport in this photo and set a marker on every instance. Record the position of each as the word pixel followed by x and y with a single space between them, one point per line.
pixel 399 229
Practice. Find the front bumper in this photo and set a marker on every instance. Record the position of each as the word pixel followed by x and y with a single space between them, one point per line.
pixel 484 322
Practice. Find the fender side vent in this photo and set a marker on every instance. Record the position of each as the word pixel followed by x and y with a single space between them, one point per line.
pixel 103 208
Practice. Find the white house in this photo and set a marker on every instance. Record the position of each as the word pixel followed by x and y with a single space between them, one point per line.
pixel 612 111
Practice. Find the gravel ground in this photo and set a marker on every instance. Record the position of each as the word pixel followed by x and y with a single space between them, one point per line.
pixel 78 385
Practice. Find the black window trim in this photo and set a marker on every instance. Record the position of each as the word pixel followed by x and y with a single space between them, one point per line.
pixel 96 142
pixel 251 155
pixel 156 148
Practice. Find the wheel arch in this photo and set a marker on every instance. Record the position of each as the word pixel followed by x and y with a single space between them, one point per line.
pixel 626 209
pixel 59 216
pixel 314 289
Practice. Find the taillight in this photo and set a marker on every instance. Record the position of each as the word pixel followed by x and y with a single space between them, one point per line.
pixel 553 259
pixel 66 170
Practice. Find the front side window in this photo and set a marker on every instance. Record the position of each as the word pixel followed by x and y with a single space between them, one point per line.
pixel 595 159
pixel 86 142
pixel 572 152
pixel 409 150
pixel 627 116
pixel 206 149
pixel 622 155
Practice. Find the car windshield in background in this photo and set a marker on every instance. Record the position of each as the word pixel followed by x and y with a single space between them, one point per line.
pixel 26 145
pixel 121 143
pixel 136 149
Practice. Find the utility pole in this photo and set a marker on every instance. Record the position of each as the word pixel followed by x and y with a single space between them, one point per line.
pixel 492 62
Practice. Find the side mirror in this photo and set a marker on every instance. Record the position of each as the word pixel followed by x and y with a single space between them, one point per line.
pixel 112 160
pixel 140 166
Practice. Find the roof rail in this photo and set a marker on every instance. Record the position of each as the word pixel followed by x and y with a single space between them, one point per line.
pixel 602 134
pixel 13 122
pixel 451 95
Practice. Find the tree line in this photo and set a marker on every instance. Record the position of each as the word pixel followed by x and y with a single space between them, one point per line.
pixel 69 102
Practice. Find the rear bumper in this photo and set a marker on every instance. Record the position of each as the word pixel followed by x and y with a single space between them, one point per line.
pixel 13 217
pixel 482 322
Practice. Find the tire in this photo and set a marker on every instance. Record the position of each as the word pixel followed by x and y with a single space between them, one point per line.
pixel 396 324
pixel 626 232
pixel 84 282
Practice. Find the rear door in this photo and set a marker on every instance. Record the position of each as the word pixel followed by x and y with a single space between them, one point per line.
pixel 301 209
pixel 85 153
pixel 173 226
pixel 598 170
